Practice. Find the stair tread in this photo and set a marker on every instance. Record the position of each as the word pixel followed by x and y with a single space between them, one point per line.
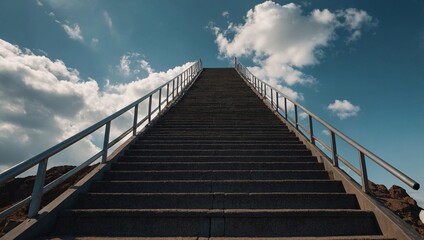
pixel 221 212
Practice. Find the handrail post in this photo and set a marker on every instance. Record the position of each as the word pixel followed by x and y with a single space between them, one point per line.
pixel 135 119
pixel 167 93
pixel 296 120
pixel 265 91
pixel 311 130
pixel 178 83
pixel 262 89
pixel 285 108
pixel 276 101
pixel 173 89
pixel 150 108
pixel 272 98
pixel 37 190
pixel 364 174
pixel 106 142
pixel 334 149
pixel 160 100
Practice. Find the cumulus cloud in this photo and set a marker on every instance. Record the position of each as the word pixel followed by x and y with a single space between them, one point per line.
pixel 73 31
pixel 282 40
pixel 43 102
pixel 133 64
pixel 225 14
pixel 343 109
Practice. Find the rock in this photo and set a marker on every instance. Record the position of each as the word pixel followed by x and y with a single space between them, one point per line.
pixel 398 201
pixel 397 192
pixel 378 189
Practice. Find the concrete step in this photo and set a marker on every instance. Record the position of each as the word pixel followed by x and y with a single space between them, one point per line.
pixel 224 138
pixel 219 223
pixel 230 165
pixel 180 186
pixel 374 237
pixel 215 175
pixel 203 131
pixel 274 200
pixel 160 125
pixel 218 142
pixel 229 134
pixel 217 152
pixel 132 157
pixel 196 145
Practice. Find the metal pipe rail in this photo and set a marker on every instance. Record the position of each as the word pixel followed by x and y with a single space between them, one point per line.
pixel 273 98
pixel 173 88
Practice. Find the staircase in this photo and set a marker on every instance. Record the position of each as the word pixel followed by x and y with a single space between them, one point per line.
pixel 218 164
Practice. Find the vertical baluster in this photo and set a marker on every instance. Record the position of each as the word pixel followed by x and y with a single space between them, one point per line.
pixel 37 190
pixel 178 82
pixel 135 120
pixel 167 93
pixel 106 142
pixel 364 174
pixel 311 130
pixel 276 101
pixel 296 117
pixel 334 149
pixel 160 99
pixel 150 108
pixel 173 89
pixel 272 98
pixel 285 108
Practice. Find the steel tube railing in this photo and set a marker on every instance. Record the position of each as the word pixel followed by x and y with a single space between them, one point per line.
pixel 247 75
pixel 41 159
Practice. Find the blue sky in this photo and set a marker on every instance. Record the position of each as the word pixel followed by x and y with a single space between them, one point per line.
pixel 356 64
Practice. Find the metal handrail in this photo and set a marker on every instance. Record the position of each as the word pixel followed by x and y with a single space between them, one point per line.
pixel 180 83
pixel 261 88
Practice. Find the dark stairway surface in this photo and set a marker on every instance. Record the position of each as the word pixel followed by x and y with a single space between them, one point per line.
pixel 218 164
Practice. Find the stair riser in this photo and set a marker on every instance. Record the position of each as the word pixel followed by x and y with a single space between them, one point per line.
pixel 216 147
pixel 243 132
pixel 218 142
pixel 224 138
pixel 219 227
pixel 235 153
pixel 216 166
pixel 219 201
pixel 139 176
pixel 228 187
pixel 200 127
pixel 187 158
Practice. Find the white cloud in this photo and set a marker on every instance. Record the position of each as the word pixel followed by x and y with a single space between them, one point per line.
pixel 74 32
pixel 39 3
pixel 108 20
pixel 225 14
pixel 133 64
pixel 51 14
pixel 146 66
pixel 43 102
pixel 326 132
pixel 343 109
pixel 282 40
pixel 124 65
pixel 303 116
